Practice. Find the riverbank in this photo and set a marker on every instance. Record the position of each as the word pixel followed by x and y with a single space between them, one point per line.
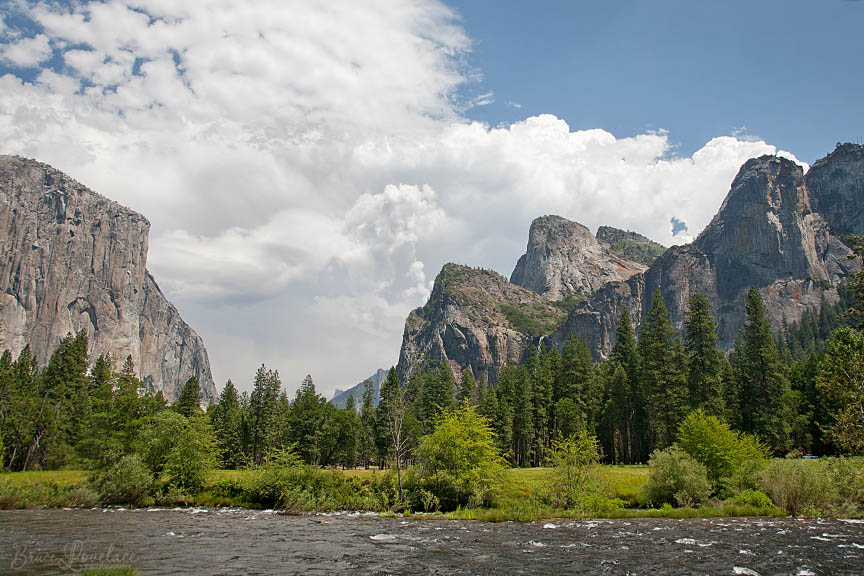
pixel 520 499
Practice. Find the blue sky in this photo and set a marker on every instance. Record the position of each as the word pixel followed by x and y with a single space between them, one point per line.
pixel 308 167
pixel 786 71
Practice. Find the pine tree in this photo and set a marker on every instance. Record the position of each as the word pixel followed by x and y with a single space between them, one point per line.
pixel 761 380
pixel 227 427
pixel 468 387
pixel 263 407
pixel 367 424
pixel 625 354
pixel 661 371
pixel 306 422
pixel 189 401
pixel 617 418
pixel 704 360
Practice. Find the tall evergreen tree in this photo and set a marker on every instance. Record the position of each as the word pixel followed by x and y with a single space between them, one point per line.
pixel 367 424
pixel 704 360
pixel 468 386
pixel 661 372
pixel 227 427
pixel 625 354
pixel 263 410
pixel 761 379
pixel 189 402
pixel 306 421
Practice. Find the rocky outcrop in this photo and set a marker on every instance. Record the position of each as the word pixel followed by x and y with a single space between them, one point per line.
pixel 630 245
pixel 73 260
pixel 836 186
pixel 341 396
pixel 476 320
pixel 766 235
pixel 563 258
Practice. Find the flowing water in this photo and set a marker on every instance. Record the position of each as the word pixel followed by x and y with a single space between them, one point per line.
pixel 232 541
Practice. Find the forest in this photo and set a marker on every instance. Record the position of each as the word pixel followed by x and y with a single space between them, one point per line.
pixel 793 393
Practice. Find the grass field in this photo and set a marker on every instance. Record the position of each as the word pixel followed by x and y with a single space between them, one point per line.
pixel 521 497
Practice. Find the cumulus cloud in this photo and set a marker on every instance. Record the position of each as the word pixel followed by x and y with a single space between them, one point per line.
pixel 307 169
pixel 27 52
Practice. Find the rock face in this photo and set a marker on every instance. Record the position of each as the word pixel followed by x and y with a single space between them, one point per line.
pixel 476 320
pixel 563 257
pixel 341 396
pixel 836 186
pixel 630 245
pixel 73 260
pixel 766 235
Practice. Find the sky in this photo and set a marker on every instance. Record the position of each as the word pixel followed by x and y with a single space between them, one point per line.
pixel 308 167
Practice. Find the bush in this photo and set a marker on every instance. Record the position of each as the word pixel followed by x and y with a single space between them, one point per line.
pixel 178 450
pixel 127 482
pixel 796 486
pixel 846 478
pixel 82 497
pixel 459 462
pixel 676 478
pixel 755 498
pixel 732 459
pixel 574 462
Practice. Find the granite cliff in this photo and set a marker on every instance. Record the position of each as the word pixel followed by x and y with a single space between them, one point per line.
pixel 73 260
pixel 563 258
pixel 769 233
pixel 475 319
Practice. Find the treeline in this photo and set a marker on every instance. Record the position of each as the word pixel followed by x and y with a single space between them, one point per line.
pixel 636 400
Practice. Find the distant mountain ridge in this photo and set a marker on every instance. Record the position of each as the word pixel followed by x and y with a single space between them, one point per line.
pixel 341 396
pixel 767 233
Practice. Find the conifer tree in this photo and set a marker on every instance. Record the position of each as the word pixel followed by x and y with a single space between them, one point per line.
pixel 263 409
pixel 761 380
pixel 227 427
pixel 704 360
pixel 367 424
pixel 306 421
pixel 661 370
pixel 189 401
pixel 625 354
pixel 468 386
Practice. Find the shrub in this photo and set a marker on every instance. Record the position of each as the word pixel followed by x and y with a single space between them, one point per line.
pixel 459 462
pixel 846 478
pixel 755 498
pixel 732 459
pixel 676 478
pixel 795 486
pixel 178 450
pixel 82 497
pixel 126 482
pixel 574 461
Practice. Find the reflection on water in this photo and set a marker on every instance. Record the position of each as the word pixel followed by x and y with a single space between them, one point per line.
pixel 231 541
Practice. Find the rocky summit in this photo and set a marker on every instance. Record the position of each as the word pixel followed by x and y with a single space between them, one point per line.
pixel 475 319
pixel 777 230
pixel 563 258
pixel 73 260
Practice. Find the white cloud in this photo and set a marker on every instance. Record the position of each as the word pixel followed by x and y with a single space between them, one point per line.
pixel 307 172
pixel 27 52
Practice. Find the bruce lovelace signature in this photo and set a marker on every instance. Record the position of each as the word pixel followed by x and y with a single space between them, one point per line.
pixel 75 557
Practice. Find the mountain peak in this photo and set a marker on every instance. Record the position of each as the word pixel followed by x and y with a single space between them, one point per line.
pixel 564 258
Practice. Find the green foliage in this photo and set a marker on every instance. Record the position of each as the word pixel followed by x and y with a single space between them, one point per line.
pixel 841 380
pixel 179 451
pixel 764 401
pixel 574 461
pixel 661 372
pixel 750 497
pixel 704 361
pixel 532 319
pixel 129 481
pixel 227 420
pixel 676 478
pixel 856 286
pixel 189 402
pixel 643 252
pixel 796 486
pixel 729 457
pixel 459 462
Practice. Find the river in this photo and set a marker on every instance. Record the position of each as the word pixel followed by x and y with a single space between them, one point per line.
pixel 235 541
